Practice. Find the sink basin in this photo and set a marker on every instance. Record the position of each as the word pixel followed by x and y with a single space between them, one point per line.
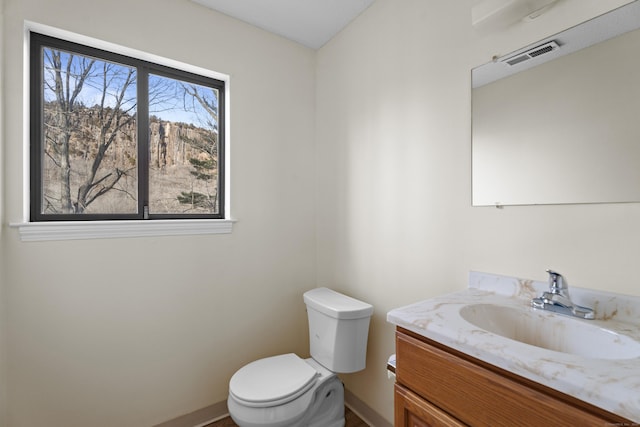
pixel 551 331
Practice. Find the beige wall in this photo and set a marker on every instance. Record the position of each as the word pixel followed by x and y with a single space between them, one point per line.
pixel 393 137
pixel 3 318
pixel 134 332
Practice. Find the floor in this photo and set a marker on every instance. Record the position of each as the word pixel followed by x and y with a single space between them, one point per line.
pixel 352 420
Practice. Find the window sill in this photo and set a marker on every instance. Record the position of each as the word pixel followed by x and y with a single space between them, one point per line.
pixel 77 230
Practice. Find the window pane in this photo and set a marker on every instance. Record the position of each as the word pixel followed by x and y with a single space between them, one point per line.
pixel 184 147
pixel 89 150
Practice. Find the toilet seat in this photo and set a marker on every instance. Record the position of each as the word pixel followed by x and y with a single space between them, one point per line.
pixel 272 381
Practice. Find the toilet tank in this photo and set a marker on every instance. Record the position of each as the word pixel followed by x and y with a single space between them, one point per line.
pixel 338 329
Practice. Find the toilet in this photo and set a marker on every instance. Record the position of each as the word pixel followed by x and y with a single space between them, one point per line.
pixel 286 390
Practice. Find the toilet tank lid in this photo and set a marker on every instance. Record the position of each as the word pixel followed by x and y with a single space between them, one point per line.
pixel 337 305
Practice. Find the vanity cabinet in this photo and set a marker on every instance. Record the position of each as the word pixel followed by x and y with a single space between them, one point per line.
pixel 438 386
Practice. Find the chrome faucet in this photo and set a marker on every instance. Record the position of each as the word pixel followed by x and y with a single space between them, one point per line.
pixel 557 299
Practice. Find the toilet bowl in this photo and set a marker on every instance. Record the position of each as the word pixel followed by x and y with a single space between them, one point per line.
pixel 289 396
pixel 286 390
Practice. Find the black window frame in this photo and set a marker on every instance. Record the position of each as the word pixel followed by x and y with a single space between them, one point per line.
pixel 39 41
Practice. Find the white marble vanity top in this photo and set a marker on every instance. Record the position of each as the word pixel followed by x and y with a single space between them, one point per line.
pixel 611 384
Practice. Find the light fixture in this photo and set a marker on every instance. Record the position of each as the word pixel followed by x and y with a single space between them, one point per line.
pixel 489 15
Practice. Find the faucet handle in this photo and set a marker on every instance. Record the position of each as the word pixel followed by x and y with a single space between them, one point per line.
pixel 557 282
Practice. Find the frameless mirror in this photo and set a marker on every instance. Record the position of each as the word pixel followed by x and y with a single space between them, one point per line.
pixel 558 122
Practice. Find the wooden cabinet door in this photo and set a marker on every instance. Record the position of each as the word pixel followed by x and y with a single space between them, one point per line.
pixel 413 411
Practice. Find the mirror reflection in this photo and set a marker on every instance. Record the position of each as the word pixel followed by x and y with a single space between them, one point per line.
pixel 559 121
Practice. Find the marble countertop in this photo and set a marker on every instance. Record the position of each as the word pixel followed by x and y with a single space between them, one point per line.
pixel 611 384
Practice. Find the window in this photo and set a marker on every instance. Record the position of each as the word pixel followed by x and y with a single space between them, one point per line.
pixel 118 138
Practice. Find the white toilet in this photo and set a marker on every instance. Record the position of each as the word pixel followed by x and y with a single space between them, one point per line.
pixel 286 390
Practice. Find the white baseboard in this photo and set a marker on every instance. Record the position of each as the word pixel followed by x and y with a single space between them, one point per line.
pixel 364 411
pixel 199 418
pixel 217 411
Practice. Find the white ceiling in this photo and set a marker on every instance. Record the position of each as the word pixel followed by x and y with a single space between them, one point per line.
pixel 309 22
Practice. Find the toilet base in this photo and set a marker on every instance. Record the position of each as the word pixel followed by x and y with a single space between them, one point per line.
pixel 327 409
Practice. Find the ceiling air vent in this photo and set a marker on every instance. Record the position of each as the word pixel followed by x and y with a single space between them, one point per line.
pixel 532 53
